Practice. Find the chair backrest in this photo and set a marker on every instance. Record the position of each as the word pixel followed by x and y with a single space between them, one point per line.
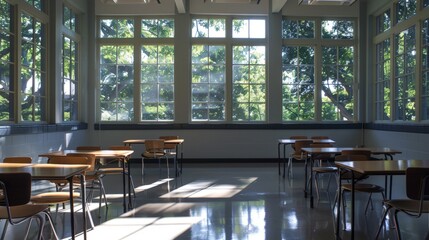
pixel 297 137
pixel 322 155
pixel 120 147
pixel 366 153
pixel 16 188
pixel 302 143
pixel 17 160
pixel 417 183
pixel 319 137
pixel 91 148
pixel 154 145
pixel 75 158
pixel 169 145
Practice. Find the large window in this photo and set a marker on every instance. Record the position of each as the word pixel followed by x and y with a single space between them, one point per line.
pixel 70 66
pixel 397 81
pixel 330 96
pixel 33 69
pixel 7 64
pixel 136 91
pixel 241 93
pixel 382 78
pixel 208 83
pixel 425 70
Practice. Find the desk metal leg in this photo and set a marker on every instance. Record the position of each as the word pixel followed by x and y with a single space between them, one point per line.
pixel 353 208
pixel 337 227
pixel 130 204
pixel 84 212
pixel 124 188
pixel 305 178
pixel 311 182
pixel 278 156
pixel 73 232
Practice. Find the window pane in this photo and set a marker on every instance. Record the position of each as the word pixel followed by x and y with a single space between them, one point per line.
pixel 295 29
pixel 248 28
pixel 208 28
pixel 116 83
pixel 334 29
pixel 337 83
pixel 405 9
pixel 157 82
pixel 69 19
pixel 70 80
pixel 7 64
pixel 117 28
pixel 383 74
pixel 425 69
pixel 157 28
pixel 405 51
pixel 33 72
pixel 249 84
pixel 298 84
pixel 208 83
pixel 383 22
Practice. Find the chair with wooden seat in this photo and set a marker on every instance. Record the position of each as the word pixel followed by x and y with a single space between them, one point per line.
pixel 109 170
pixel 297 154
pixel 357 155
pixel 17 159
pixel 154 149
pixel 321 168
pixel 170 149
pixel 417 189
pixel 14 203
pixel 60 197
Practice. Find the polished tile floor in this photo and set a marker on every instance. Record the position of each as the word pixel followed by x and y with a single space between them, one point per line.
pixel 228 201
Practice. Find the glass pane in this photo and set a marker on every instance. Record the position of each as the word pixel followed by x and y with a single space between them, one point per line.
pixel 240 28
pixel 337 29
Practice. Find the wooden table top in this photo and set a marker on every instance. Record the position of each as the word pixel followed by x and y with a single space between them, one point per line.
pixel 382 167
pixel 45 171
pixel 292 141
pixel 142 141
pixel 97 153
pixel 375 150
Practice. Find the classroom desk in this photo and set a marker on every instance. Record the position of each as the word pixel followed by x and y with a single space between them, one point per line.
pixel 288 141
pixel 121 155
pixel 380 167
pixel 387 152
pixel 178 142
pixel 54 172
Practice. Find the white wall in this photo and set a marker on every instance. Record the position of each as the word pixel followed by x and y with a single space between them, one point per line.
pixel 412 145
pixel 226 144
pixel 32 145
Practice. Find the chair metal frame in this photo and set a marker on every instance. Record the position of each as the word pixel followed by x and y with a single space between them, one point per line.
pixel 16 194
pixel 417 188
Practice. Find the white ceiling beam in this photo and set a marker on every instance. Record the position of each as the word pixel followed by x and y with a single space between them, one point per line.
pixel 180 4
pixel 278 5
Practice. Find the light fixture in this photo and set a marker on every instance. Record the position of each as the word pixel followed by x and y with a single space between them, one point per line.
pixel 326 2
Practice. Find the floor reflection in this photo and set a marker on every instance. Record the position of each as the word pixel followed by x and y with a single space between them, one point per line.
pixel 228 201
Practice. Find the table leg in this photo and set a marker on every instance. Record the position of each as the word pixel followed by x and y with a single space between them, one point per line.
pixel 278 156
pixel 337 227
pixel 305 178
pixel 83 187
pixel 311 182
pixel 130 204
pixel 353 208
pixel 73 232
pixel 124 188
